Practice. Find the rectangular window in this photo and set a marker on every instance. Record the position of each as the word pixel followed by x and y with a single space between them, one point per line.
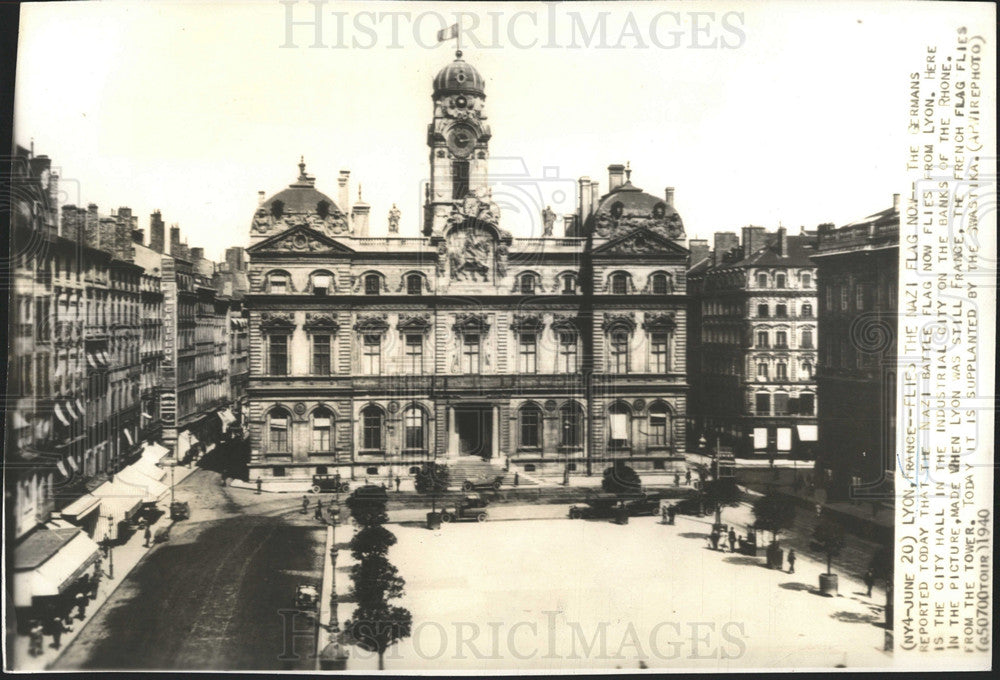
pixel 829 298
pixel 762 371
pixel 779 281
pixel 278 354
pixel 763 404
pixel 807 404
pixel 780 339
pixel 529 427
pixel 459 179
pixel 762 311
pixel 807 310
pixel 781 404
pixel 567 352
pixel 619 352
pixel 807 339
pixel 372 285
pixel 321 434
pixel 470 353
pixel 528 352
pixel 657 429
pixel 782 372
pixel 279 435
pixel 781 311
pixel 279 285
pixel 321 355
pixel 658 353
pixel 413 285
pixel 762 338
pixel 371 354
pixel 414 350
pixel 843 297
pixel 619 430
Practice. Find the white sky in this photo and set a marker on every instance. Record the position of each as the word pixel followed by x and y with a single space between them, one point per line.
pixel 191 108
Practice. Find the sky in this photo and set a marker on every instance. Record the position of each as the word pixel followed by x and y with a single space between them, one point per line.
pixel 769 114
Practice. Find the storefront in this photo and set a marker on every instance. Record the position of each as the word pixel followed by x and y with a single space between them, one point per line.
pixel 120 505
pixel 83 512
pixel 48 565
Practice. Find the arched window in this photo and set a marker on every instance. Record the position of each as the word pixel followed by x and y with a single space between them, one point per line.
pixel 321 282
pixel 569 284
pixel 660 284
pixel 762 280
pixel 529 419
pixel 414 284
pixel 779 281
pixel 527 283
pixel 278 283
pixel 373 285
pixel 414 429
pixel 807 370
pixel 618 341
pixel 660 425
pixel 571 425
pixel 619 426
pixel 372 422
pixel 322 430
pixel 278 422
pixel 619 283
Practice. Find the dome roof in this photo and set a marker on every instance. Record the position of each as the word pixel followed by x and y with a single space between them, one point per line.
pixel 302 197
pixel 459 77
pixel 634 203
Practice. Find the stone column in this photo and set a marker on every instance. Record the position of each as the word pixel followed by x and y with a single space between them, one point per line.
pixel 495 433
pixel 452 434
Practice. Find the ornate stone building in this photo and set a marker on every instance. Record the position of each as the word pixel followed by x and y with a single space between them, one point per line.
pixel 857 268
pixel 557 353
pixel 754 341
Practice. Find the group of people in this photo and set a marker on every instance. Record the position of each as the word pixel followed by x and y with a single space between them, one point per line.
pixel 687 478
pixel 57 624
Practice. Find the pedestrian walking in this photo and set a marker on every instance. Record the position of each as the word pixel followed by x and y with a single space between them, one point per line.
pixel 663 514
pixel 869 580
pixel 305 504
pixel 732 541
pixel 319 509
pixel 56 630
pixel 677 479
pixel 791 561
pixel 714 538
pixel 687 477
pixel 516 479
pixel 36 638
pixel 146 536
pixel 397 484
pixel 670 513
pixel 81 606
pixel 259 484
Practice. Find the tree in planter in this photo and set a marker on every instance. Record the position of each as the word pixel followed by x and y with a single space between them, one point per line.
pixel 376 580
pixel 367 505
pixel 719 492
pixel 621 480
pixel 372 540
pixel 432 479
pixel 376 627
pixel 829 537
pixel 773 512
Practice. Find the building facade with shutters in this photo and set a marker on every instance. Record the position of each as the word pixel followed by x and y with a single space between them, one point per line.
pixel 556 352
pixel 858 268
pixel 753 343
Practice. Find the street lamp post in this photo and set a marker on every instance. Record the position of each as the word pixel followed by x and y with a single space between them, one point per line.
pixel 111 553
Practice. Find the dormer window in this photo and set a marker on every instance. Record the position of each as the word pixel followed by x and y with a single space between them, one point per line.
pixel 414 286
pixel 762 280
pixel 528 283
pixel 372 286
pixel 321 284
pixel 779 281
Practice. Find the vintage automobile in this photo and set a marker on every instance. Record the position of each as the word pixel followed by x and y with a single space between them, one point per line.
pixel 471 507
pixel 329 483
pixel 688 506
pixel 307 598
pixel 180 510
pixel 595 508
pixel 645 505
pixel 483 484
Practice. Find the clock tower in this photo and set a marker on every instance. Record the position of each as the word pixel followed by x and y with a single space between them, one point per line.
pixel 458 139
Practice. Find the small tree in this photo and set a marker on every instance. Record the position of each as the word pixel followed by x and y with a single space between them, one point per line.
pixel 773 512
pixel 432 479
pixel 367 505
pixel 883 564
pixel 376 580
pixel 374 540
pixel 719 492
pixel 830 537
pixel 621 480
pixel 376 628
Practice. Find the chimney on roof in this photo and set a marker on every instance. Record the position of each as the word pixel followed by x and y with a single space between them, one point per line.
pixel 343 198
pixel 138 236
pixel 699 250
pixel 197 253
pixel 668 195
pixel 156 231
pixel 754 239
pixel 359 216
pixel 616 176
pixel 585 199
pixel 895 202
pixel 260 198
pixel 782 242
pixel 569 225
pixel 595 194
pixel 724 242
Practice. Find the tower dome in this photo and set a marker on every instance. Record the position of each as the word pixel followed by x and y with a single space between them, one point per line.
pixel 459 77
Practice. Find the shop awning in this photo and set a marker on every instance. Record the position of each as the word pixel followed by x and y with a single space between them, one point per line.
pixel 79 406
pixel 227 417
pixel 61 415
pixel 115 509
pixel 784 439
pixel 81 507
pixel 149 469
pixel 154 452
pixel 152 489
pixel 49 561
pixel 128 436
pixel 19 421
pixel 807 433
pixel 91 360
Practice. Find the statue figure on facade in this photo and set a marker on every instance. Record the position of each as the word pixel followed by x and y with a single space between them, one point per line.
pixel 470 256
pixel 548 220
pixel 261 220
pixel 394 220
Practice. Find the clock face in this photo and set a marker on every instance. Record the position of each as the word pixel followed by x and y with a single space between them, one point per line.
pixel 461 141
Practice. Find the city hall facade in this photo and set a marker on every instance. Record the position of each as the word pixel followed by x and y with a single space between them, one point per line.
pixel 555 352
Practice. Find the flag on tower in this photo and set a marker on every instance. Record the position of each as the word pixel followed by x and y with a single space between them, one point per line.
pixel 448 33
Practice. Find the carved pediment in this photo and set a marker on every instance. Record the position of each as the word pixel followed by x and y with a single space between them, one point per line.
pixel 527 323
pixel 277 321
pixel 321 322
pixel 414 323
pixel 624 321
pixel 640 242
pixel 371 323
pixel 472 322
pixel 659 322
pixel 301 239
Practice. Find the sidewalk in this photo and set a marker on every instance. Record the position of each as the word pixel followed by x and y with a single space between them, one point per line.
pixel 125 557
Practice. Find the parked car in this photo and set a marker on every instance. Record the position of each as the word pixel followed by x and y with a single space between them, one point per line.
pixel 471 507
pixel 594 508
pixel 328 483
pixel 307 598
pixel 180 510
pixel 647 504
pixel 483 484
pixel 688 506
